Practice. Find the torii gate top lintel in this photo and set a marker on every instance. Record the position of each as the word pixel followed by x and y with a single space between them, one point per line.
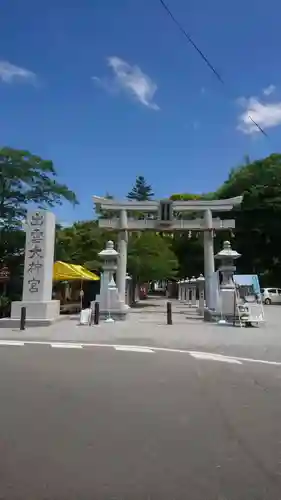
pixel 177 205
pixel 165 210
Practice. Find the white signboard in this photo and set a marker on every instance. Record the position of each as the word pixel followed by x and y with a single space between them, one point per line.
pixel 256 312
pixel 249 288
pixel 85 316
pixel 39 256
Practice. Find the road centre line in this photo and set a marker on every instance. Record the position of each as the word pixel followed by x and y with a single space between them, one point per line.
pixel 66 346
pixel 215 357
pixel 11 342
pixel 237 358
pixel 132 348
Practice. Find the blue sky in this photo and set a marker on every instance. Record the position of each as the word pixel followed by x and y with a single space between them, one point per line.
pixel 109 89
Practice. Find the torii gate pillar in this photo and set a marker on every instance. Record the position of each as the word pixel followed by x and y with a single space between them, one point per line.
pixel 121 272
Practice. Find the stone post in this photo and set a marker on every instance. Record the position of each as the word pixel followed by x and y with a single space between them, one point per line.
pixel 128 290
pixel 201 288
pixel 38 271
pixel 122 259
pixel 193 288
pixel 209 265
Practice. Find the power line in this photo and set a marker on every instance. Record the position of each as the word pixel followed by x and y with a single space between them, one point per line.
pixel 186 34
pixel 201 54
pixel 257 125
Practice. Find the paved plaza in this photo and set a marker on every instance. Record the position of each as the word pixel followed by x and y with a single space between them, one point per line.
pixel 147 326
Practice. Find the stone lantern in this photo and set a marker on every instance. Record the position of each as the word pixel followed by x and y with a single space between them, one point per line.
pixel 193 288
pixel 110 303
pixel 181 295
pixel 227 257
pixel 186 290
pixel 180 288
pixel 201 287
pixel 109 257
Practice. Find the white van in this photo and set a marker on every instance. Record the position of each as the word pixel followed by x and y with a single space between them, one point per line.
pixel 271 295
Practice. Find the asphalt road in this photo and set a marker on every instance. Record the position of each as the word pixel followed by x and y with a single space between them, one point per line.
pixel 110 425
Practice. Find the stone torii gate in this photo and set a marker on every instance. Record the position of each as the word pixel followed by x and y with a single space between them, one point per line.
pixel 161 218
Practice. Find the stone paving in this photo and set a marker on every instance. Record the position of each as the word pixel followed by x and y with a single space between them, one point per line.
pixel 147 326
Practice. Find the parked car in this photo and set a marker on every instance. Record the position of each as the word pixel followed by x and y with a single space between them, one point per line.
pixel 271 295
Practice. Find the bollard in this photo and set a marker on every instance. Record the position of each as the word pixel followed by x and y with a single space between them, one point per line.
pixel 22 318
pixel 91 317
pixel 169 313
pixel 97 313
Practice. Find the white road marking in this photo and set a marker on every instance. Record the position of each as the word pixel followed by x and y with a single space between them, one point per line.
pixel 11 342
pixel 67 346
pixel 194 354
pixel 214 357
pixel 236 358
pixel 132 348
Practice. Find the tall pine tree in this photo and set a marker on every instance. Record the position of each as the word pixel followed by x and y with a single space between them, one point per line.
pixel 141 191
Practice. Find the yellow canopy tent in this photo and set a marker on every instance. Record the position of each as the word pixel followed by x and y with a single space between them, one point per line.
pixel 88 275
pixel 63 271
pixel 66 272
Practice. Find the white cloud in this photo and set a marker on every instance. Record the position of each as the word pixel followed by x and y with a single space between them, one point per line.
pixel 9 73
pixel 106 84
pixel 131 79
pixel 269 90
pixel 266 115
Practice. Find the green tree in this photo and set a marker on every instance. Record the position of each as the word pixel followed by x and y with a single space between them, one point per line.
pixel 27 179
pixel 141 191
pixel 81 243
pixel 191 196
pixel 188 247
pixel 12 243
pixel 150 257
pixel 258 221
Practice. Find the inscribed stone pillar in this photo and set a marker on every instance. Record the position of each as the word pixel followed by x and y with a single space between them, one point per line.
pixel 38 271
